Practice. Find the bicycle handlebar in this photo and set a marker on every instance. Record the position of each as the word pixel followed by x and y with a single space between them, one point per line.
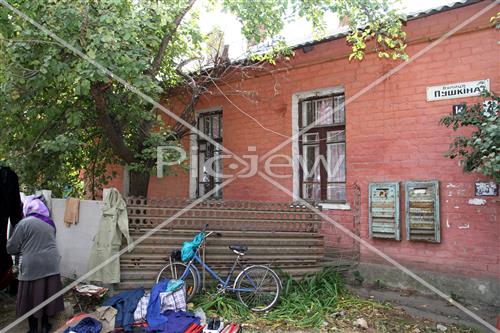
pixel 217 234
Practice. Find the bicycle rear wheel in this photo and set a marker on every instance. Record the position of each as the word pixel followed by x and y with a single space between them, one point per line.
pixel 258 288
pixel 177 271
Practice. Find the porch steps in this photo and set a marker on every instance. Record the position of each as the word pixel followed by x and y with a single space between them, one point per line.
pixel 276 233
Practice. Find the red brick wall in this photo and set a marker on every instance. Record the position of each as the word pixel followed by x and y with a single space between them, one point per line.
pixel 392 133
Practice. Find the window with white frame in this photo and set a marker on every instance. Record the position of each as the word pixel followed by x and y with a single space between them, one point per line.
pixel 322 148
pixel 209 169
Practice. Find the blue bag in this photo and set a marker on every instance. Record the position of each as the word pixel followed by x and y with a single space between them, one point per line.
pixel 189 248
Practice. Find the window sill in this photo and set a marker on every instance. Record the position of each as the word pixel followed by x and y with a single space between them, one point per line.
pixel 334 206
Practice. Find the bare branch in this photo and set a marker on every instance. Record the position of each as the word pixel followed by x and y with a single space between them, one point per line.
pixel 167 38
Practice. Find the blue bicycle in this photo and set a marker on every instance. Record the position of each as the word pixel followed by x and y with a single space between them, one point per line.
pixel 258 287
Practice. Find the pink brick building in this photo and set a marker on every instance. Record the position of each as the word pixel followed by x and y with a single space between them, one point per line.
pixel 387 133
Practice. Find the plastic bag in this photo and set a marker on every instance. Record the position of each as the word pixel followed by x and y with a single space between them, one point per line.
pixel 189 248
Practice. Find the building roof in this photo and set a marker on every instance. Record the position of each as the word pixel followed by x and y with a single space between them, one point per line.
pixel 409 17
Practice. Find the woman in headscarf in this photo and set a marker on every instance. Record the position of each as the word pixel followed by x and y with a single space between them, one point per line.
pixel 34 238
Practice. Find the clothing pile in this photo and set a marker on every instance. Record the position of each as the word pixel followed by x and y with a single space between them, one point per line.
pixel 163 310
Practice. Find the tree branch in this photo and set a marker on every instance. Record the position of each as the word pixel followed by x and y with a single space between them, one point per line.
pixel 115 138
pixel 84 26
pixel 167 38
pixel 45 130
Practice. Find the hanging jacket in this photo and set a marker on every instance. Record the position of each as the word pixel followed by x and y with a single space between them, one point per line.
pixel 108 240
pixel 125 302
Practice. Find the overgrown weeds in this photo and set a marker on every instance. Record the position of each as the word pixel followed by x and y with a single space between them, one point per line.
pixel 303 303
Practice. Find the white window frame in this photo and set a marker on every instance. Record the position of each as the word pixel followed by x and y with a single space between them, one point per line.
pixel 296 97
pixel 193 152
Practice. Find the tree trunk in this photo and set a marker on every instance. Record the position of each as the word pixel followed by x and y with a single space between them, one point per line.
pixel 139 183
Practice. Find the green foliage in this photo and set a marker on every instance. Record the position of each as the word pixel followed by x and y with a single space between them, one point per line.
pixel 377 22
pixel 306 302
pixel 278 51
pixel 368 19
pixel 51 128
pixel 303 303
pixel 479 151
pixel 495 21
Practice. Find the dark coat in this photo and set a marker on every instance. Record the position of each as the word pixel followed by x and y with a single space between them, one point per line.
pixel 10 207
pixel 125 302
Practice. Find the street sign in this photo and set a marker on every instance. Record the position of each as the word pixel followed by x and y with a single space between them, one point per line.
pixel 457 90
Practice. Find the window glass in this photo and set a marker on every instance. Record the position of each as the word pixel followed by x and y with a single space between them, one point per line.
pixel 311 138
pixel 311 167
pixel 338 112
pixel 207 126
pixel 335 192
pixel 319 112
pixel 336 162
pixel 323 149
pixel 216 125
pixel 210 166
pixel 311 191
pixel 307 113
pixel 323 111
pixel 335 136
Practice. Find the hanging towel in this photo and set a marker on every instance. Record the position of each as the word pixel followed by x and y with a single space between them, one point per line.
pixel 71 211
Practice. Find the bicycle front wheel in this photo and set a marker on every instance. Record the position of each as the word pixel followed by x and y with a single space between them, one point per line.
pixel 180 271
pixel 258 288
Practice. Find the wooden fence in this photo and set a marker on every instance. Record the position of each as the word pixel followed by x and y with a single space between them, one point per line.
pixel 287 236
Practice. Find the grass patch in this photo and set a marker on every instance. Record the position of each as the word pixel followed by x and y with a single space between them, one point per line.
pixel 319 301
pixel 303 303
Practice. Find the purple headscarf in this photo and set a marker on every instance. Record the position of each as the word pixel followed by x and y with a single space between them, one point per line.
pixel 33 206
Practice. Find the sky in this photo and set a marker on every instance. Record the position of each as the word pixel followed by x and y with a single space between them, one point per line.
pixel 295 32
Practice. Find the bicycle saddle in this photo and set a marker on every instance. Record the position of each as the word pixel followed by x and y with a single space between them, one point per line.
pixel 238 248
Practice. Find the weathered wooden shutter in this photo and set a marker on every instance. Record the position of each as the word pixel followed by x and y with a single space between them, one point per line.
pixel 384 210
pixel 422 211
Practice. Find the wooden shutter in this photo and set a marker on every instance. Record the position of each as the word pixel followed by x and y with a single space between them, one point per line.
pixel 422 211
pixel 384 210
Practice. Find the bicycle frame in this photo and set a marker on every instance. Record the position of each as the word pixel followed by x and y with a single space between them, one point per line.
pixel 224 283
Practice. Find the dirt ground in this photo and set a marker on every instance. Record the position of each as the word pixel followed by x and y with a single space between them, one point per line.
pixel 431 306
pixel 8 315
pixel 384 317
